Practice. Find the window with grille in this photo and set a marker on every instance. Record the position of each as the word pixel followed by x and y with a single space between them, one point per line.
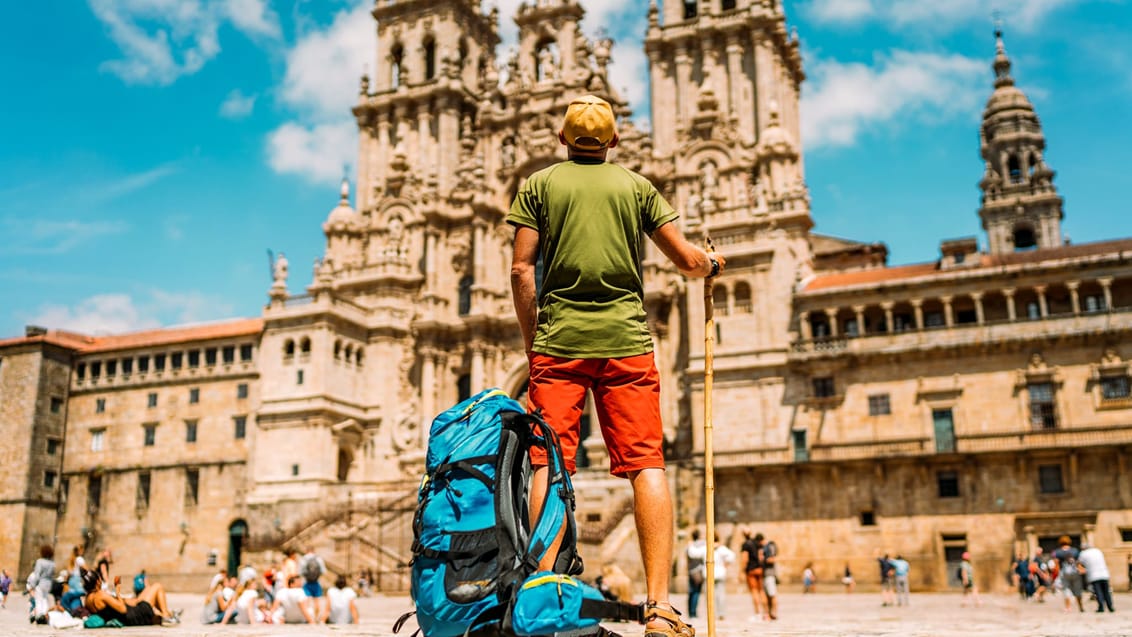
pixel 1114 387
pixel 194 396
pixel 150 435
pixel 99 405
pixel 245 353
pixel 879 405
pixel 229 354
pixel 242 390
pixel 151 400
pixel 1043 414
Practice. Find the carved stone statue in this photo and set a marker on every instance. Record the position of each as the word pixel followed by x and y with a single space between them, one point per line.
pixel 279 274
pixel 710 178
pixel 547 68
pixel 507 152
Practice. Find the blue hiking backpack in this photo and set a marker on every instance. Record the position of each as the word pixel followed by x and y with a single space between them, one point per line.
pixel 474 550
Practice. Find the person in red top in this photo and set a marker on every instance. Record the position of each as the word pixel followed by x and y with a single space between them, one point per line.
pixel 584 325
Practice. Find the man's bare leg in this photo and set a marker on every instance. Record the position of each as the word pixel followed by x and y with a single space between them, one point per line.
pixel 652 508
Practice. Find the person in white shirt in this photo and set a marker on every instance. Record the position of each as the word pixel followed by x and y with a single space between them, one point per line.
pixel 697 570
pixel 247 608
pixel 340 606
pixel 291 605
pixel 724 557
pixel 1096 574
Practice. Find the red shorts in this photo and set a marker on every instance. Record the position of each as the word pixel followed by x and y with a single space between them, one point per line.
pixel 627 398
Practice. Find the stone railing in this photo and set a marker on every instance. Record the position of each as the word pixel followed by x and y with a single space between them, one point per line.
pixel 1045 439
pixel 871 449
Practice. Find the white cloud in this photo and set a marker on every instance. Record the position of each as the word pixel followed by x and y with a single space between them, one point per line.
pixel 844 100
pixel 115 313
pixel 237 105
pixel 324 66
pixel 1020 14
pixel 321 84
pixel 317 152
pixel 162 40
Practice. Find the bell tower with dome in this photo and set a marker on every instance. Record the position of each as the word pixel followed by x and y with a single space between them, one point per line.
pixel 1021 208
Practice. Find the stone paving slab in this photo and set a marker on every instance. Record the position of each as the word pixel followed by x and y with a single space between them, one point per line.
pixel 820 615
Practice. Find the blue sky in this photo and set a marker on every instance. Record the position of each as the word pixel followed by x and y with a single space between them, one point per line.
pixel 153 150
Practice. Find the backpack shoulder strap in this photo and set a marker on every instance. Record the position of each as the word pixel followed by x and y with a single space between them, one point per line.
pixel 616 611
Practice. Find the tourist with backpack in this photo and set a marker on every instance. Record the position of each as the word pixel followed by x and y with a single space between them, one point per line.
pixel 1070 577
pixel 585 328
pixel 966 573
pixel 311 568
pixel 696 554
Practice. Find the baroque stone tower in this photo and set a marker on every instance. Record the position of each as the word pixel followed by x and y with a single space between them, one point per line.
pixel 725 81
pixel 1021 207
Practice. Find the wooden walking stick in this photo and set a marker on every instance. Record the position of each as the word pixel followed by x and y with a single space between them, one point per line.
pixel 709 472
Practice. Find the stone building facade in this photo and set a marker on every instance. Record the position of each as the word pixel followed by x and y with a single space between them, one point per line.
pixel 978 402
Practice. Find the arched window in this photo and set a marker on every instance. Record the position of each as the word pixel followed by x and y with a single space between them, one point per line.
pixel 1014 169
pixel 358 356
pixel 237 532
pixel 338 349
pixel 305 345
pixel 742 298
pixel 464 303
pixel 349 352
pixel 719 300
pixel 345 459
pixel 819 326
pixel 1024 238
pixel 397 62
pixel 288 348
pixel 430 58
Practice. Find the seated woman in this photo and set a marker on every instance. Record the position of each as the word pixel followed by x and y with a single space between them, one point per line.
pixel 149 608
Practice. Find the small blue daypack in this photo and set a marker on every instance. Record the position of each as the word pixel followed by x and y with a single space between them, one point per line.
pixel 474 548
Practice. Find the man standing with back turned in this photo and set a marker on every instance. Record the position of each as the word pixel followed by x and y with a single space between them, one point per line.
pixel 587 327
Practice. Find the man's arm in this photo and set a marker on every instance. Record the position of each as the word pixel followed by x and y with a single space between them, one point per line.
pixel 689 259
pixel 523 258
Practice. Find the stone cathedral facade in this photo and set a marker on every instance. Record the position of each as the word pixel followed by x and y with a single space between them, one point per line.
pixel 978 402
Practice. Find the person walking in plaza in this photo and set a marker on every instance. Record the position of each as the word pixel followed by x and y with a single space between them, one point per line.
pixel 887 579
pixel 724 558
pixel 1096 575
pixel 900 569
pixel 808 583
pixel 967 579
pixel 751 567
pixel 770 578
pixel 311 567
pixel 696 554
pixel 5 587
pixel 40 582
pixel 847 579
pixel 584 324
pixel 1070 579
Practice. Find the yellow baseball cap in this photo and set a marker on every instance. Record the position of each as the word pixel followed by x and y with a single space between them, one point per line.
pixel 589 124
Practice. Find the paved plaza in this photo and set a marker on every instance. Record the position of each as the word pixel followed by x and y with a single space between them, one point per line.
pixel 833 614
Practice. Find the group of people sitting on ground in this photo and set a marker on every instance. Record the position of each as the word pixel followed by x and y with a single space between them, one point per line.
pixel 78 595
pixel 290 593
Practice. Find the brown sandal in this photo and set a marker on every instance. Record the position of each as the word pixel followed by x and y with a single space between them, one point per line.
pixel 676 627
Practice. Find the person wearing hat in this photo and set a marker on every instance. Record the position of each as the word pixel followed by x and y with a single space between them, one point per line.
pixel 584 325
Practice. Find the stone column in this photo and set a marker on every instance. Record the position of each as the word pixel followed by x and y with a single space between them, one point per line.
pixel 859 312
pixel 479 238
pixel 477 366
pixel 734 76
pixel 948 314
pixel 918 308
pixel 683 84
pixel 804 326
pixel 428 391
pixel 831 316
pixel 887 307
pixel 448 143
pixel 1074 298
pixel 1011 311
pixel 1043 305
pixel 1106 286
pixel 425 147
pixel 384 148
pixel 431 273
pixel 980 316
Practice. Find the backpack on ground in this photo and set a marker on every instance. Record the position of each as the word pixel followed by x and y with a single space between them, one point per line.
pixel 311 569
pixel 475 553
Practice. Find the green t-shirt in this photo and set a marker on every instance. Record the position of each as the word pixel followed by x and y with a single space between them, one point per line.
pixel 591 217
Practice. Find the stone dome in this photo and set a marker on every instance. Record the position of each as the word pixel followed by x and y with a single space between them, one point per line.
pixel 342 214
